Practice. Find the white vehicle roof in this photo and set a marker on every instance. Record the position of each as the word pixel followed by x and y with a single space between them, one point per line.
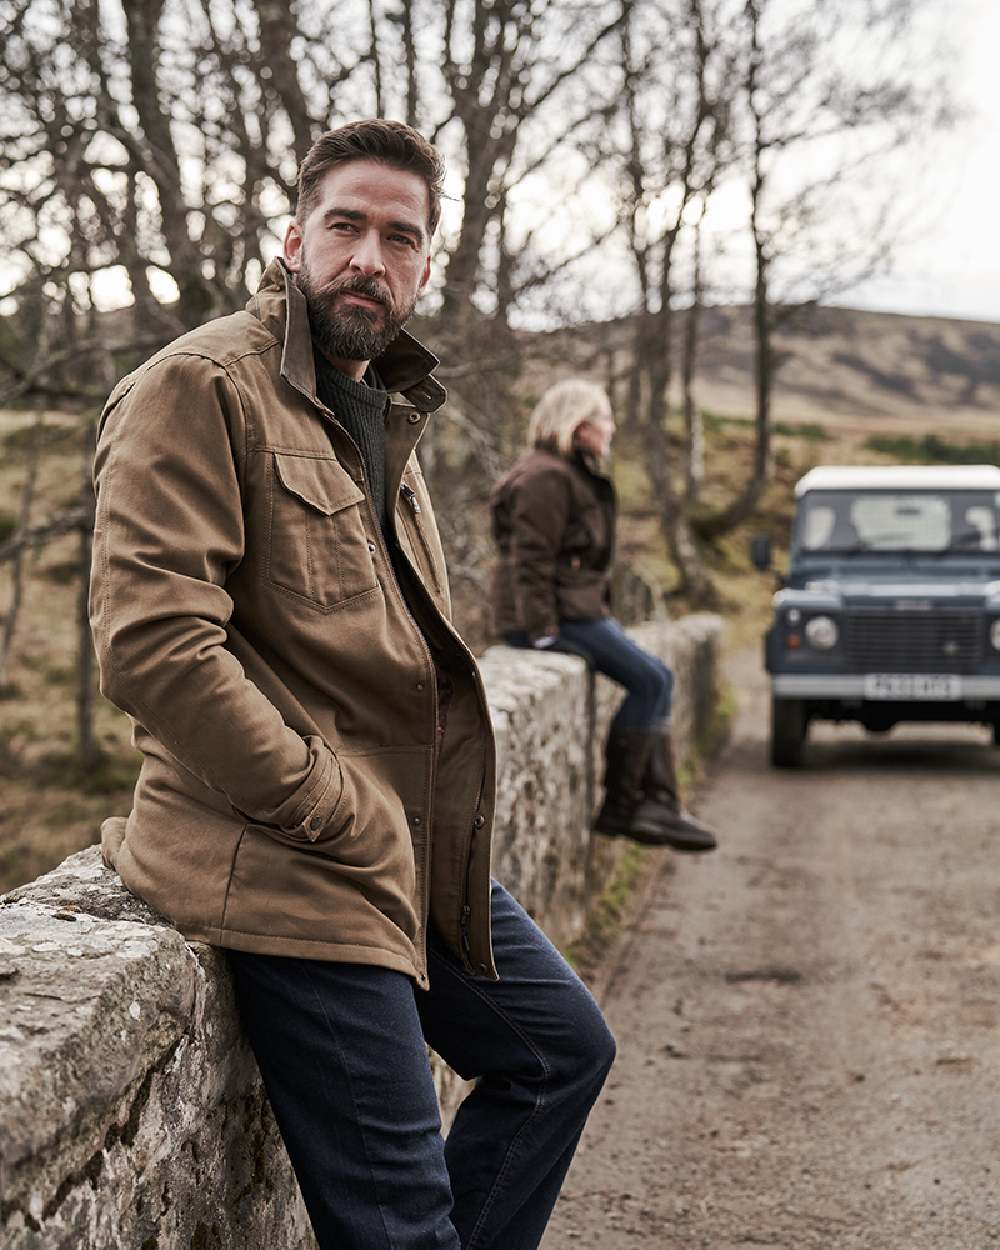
pixel 900 477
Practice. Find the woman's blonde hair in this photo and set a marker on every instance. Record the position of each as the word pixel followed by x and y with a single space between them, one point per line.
pixel 561 410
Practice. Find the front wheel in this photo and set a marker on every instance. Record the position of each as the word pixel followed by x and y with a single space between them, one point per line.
pixel 789 727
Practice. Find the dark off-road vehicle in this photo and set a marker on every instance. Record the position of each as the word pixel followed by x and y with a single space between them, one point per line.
pixel 891 608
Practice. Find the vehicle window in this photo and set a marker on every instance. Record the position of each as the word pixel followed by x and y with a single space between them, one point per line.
pixel 982 521
pixel 817 526
pixel 887 521
pixel 931 521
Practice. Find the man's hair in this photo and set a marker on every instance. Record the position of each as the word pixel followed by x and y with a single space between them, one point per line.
pixel 373 139
pixel 561 410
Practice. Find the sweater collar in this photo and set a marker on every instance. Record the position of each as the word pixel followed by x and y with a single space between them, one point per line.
pixel 405 366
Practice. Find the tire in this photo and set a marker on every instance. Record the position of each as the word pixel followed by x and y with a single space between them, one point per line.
pixel 789 727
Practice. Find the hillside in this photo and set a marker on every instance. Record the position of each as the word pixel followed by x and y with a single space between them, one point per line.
pixel 848 368
pixel 858 370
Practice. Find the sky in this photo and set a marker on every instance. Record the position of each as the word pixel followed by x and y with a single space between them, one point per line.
pixel 948 262
pixel 946 190
pixel 952 266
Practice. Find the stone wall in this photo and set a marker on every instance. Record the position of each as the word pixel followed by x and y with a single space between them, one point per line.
pixel 131 1115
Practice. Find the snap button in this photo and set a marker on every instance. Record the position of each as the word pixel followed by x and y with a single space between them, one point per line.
pixel 419 686
pixel 417 821
pixel 413 418
pixel 315 823
pixel 479 821
pixel 372 547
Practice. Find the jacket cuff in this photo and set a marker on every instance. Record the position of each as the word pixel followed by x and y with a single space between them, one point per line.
pixel 318 805
pixel 316 802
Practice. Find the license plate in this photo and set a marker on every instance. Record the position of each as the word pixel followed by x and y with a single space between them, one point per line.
pixel 912 686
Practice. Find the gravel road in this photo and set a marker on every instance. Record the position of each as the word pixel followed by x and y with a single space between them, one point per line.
pixel 807 1020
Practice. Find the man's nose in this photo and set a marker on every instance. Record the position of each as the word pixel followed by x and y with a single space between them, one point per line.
pixel 367 256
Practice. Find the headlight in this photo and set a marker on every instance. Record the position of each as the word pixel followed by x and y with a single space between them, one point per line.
pixel 995 634
pixel 821 633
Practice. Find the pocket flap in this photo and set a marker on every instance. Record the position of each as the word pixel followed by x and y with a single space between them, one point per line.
pixel 321 484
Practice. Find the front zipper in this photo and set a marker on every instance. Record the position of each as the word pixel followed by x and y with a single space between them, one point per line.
pixel 465 940
pixel 465 914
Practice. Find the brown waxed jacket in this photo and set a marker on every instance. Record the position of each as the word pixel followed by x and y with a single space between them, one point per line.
pixel 554 526
pixel 295 797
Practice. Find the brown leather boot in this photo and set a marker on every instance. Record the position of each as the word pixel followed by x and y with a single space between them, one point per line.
pixel 624 766
pixel 660 811
pixel 626 762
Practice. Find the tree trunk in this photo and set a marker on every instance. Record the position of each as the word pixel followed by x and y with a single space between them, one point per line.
pixel 696 585
pixel 87 750
pixel 278 29
pixel 17 560
pixel 163 166
pixel 462 271
pixel 744 505
pixel 410 58
pixel 376 59
pixel 694 459
pixel 505 268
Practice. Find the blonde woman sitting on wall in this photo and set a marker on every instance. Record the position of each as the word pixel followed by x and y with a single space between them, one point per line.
pixel 554 524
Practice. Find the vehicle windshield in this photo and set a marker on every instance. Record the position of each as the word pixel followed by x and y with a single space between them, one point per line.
pixel 925 521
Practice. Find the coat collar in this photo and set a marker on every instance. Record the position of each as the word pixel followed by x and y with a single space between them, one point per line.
pixel 405 366
pixel 585 461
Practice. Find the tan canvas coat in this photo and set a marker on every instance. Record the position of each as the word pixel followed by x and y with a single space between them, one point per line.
pixel 293 799
pixel 554 525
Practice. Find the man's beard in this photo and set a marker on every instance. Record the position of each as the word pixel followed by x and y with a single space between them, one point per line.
pixel 349 331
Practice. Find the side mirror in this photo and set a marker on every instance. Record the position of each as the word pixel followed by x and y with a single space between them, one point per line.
pixel 760 552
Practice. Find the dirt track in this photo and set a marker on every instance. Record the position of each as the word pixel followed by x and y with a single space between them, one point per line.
pixel 808 1020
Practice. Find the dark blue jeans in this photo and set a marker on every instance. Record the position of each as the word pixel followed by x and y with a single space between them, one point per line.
pixel 608 649
pixel 341 1049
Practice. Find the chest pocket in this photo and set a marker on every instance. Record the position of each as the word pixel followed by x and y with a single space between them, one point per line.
pixel 317 547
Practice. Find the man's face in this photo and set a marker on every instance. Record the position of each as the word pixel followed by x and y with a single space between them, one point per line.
pixel 361 257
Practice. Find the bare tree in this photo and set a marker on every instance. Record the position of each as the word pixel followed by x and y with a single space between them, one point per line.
pixel 694 433
pixel 796 96
pixel 502 69
pixel 163 136
pixel 673 156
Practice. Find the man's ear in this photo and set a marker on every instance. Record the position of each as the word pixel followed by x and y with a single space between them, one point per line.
pixel 426 274
pixel 293 246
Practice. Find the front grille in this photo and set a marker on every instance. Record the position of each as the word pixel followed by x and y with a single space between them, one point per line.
pixel 913 642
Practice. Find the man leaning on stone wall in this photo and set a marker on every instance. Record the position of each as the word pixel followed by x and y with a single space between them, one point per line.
pixel 270 606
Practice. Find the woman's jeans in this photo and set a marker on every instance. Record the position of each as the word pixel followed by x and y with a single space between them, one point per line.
pixel 607 648
pixel 342 1052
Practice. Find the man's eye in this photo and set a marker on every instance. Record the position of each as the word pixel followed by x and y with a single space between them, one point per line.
pixel 402 238
pixel 342 227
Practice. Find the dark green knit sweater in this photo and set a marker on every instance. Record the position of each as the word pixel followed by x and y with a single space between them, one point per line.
pixel 360 409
